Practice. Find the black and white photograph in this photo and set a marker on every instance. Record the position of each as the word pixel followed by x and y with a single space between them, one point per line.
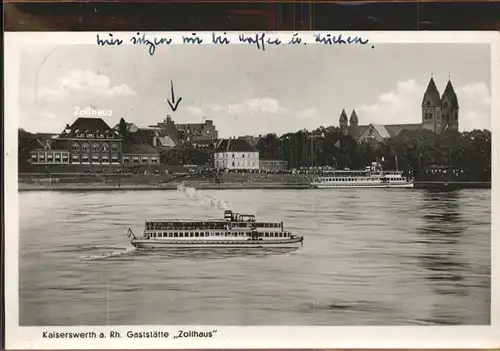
pixel 296 183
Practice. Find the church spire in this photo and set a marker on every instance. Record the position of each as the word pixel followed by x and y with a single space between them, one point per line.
pixel 431 95
pixel 449 92
pixel 343 121
pixel 343 116
pixel 353 121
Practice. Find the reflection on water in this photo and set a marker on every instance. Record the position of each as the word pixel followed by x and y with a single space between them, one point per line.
pixel 370 257
pixel 443 257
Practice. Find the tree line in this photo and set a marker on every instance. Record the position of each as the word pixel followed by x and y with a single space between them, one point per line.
pixel 409 151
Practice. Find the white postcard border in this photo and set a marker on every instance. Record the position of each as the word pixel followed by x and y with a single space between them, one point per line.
pixel 239 337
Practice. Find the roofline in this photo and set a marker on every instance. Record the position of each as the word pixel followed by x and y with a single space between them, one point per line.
pixel 234 152
pixel 100 139
pixel 50 150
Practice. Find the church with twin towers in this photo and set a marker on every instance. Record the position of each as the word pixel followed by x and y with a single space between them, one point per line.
pixel 439 113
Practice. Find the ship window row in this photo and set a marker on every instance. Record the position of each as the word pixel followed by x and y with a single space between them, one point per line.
pixel 184 226
pixel 269 225
pixel 356 179
pixel 207 234
pixel 275 234
pixel 206 225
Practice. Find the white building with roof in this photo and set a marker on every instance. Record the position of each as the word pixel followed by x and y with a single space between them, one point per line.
pixel 235 154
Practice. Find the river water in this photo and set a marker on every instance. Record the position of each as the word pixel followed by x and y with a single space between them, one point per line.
pixel 370 257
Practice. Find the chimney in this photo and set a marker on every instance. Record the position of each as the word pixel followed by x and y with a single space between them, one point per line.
pixel 168 119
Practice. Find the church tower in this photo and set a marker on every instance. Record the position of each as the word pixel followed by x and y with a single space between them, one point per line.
pixel 343 122
pixel 353 121
pixel 431 108
pixel 449 108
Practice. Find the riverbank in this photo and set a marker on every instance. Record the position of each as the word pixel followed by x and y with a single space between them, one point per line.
pixel 167 186
pixel 222 186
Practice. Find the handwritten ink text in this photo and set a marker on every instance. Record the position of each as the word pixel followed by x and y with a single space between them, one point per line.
pixel 295 39
pixel 109 41
pixel 192 40
pixel 259 40
pixel 331 39
pixel 217 39
pixel 152 44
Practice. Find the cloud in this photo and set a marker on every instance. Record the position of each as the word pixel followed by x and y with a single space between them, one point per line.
pixel 82 82
pixel 252 106
pixel 475 91
pixel 47 115
pixel 257 116
pixel 307 113
pixel 403 105
pixel 197 111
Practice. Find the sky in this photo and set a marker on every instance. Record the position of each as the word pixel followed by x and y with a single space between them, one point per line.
pixel 250 92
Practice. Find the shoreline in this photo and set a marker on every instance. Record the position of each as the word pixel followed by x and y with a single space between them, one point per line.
pixel 22 187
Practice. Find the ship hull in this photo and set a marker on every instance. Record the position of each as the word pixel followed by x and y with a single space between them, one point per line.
pixel 250 244
pixel 375 185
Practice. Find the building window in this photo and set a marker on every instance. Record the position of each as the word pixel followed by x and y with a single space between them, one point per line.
pixel 96 148
pixel 105 159
pixel 95 159
pixel 41 157
pixel 144 160
pixel 243 155
pixel 135 159
pixel 154 160
pixel 58 157
pixel 75 147
pixel 126 159
pixel 34 157
pixel 75 158
pixel 85 159
pixel 65 157
pixel 233 163
pixel 114 148
pixel 233 155
pixel 85 147
pixel 105 147
pixel 114 159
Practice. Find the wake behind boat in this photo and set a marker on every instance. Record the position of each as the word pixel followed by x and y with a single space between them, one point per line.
pixel 234 231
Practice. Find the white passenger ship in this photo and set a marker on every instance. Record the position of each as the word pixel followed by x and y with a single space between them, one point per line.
pixel 234 231
pixel 372 177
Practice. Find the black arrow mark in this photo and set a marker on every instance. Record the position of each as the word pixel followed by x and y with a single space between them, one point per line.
pixel 174 104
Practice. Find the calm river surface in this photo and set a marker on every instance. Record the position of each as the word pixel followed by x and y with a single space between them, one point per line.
pixel 370 257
